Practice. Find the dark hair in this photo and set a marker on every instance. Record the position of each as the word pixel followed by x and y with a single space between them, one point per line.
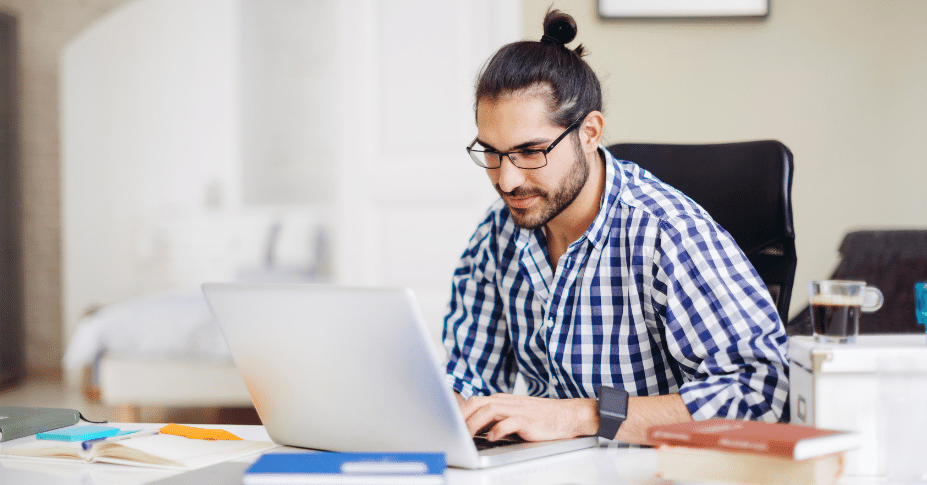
pixel 571 87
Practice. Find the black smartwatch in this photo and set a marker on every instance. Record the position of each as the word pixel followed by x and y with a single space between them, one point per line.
pixel 613 410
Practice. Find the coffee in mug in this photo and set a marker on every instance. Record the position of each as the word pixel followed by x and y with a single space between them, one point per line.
pixel 835 308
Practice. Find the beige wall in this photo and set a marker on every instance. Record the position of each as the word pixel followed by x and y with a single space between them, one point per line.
pixel 44 28
pixel 842 84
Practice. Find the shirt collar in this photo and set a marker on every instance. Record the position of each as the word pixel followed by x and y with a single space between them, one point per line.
pixel 598 230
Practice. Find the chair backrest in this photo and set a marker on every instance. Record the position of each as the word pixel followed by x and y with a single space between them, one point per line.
pixel 747 189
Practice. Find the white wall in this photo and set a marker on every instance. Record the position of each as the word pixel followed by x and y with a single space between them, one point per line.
pixel 149 161
pixel 289 101
pixel 842 84
pixel 190 126
pixel 410 197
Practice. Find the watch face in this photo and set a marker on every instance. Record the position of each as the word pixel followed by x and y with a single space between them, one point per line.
pixel 613 401
pixel 613 409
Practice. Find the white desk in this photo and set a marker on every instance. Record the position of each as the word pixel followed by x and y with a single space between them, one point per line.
pixel 610 465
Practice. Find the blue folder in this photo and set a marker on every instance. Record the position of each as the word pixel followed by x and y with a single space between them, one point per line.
pixel 312 467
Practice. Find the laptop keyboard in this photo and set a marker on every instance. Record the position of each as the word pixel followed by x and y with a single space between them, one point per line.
pixel 484 444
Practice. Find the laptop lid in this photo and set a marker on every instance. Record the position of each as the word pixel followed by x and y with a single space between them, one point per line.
pixel 348 369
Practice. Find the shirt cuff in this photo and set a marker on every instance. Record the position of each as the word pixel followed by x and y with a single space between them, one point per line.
pixel 459 386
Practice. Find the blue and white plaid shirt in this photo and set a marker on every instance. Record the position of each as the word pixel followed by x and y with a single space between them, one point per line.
pixel 656 298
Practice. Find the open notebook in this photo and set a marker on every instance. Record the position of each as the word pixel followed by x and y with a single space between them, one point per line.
pixel 157 451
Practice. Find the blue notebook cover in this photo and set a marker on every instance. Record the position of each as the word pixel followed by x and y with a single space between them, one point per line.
pixel 349 464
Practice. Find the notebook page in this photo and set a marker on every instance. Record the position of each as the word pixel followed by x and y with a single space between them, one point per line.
pixel 45 449
pixel 169 451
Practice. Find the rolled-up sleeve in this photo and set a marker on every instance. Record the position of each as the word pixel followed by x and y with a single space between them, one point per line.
pixel 720 324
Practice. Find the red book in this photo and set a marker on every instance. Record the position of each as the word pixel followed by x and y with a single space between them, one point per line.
pixel 783 440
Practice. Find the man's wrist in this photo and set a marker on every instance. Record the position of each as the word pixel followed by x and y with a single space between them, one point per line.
pixel 587 418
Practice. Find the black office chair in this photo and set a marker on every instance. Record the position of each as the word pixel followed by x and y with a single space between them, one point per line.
pixel 747 189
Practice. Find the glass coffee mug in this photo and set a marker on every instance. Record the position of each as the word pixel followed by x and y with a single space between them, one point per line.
pixel 835 307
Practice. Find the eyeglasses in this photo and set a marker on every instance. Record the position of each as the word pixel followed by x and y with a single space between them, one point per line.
pixel 524 159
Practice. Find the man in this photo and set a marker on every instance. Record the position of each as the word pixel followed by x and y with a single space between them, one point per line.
pixel 591 278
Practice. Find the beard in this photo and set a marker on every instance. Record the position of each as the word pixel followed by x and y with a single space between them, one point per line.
pixel 552 204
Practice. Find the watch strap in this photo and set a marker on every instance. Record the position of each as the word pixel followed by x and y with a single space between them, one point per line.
pixel 613 410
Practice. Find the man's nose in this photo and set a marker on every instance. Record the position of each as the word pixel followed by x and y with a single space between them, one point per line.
pixel 510 176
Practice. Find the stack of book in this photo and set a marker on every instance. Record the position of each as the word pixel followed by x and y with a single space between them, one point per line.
pixel 747 452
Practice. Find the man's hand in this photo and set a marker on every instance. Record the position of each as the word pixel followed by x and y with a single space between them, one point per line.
pixel 531 418
pixel 542 419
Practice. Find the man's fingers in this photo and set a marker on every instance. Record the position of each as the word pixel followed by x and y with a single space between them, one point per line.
pixel 485 415
pixel 501 415
pixel 481 419
pixel 472 405
pixel 504 428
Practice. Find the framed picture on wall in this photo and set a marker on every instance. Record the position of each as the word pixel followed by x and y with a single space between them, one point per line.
pixel 640 9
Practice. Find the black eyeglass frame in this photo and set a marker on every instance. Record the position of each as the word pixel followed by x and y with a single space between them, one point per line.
pixel 545 151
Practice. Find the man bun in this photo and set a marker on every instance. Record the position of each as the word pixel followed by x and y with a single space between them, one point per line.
pixel 571 88
pixel 559 26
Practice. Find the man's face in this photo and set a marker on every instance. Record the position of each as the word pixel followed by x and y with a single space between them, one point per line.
pixel 518 122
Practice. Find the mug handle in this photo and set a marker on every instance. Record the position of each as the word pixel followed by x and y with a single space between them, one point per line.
pixel 872 300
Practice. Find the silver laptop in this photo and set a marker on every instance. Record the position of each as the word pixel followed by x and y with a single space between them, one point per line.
pixel 351 369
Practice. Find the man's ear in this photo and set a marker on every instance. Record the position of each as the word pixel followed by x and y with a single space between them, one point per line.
pixel 590 132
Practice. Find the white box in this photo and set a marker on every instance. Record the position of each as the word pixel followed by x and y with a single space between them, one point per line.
pixel 857 387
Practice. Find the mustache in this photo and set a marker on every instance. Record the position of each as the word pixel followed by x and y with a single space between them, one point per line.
pixel 521 192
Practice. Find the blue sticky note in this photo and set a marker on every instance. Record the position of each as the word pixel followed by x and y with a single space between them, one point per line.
pixel 78 433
